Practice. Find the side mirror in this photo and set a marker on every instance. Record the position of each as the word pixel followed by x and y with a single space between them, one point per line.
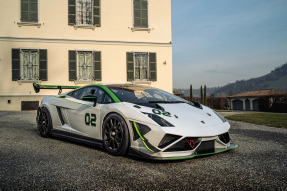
pixel 91 98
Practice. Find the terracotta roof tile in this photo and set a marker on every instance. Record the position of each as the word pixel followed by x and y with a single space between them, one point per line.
pixel 259 93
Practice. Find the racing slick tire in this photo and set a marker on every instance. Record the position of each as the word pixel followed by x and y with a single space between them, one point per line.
pixel 44 122
pixel 115 135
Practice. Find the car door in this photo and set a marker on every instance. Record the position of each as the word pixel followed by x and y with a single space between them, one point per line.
pixel 84 119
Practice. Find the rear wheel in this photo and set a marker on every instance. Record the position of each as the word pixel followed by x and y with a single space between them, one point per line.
pixel 44 122
pixel 115 135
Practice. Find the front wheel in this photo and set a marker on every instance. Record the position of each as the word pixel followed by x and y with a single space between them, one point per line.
pixel 44 122
pixel 115 135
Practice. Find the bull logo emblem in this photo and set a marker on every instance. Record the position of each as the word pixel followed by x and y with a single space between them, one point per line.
pixel 191 143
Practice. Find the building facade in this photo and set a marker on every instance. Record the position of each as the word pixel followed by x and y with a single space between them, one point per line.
pixel 249 101
pixel 78 42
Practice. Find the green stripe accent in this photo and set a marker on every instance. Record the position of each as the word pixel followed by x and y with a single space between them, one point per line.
pixel 135 125
pixel 113 96
pixel 138 130
pixel 56 86
pixel 147 147
pixel 75 102
pixel 108 91
pixel 72 101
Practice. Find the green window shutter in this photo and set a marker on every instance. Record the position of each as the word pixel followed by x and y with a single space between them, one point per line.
pixel 72 65
pixel 43 65
pixel 144 13
pixel 137 13
pixel 33 12
pixel 24 10
pixel 72 12
pixel 130 66
pixel 152 65
pixel 141 13
pixel 97 66
pixel 15 64
pixel 29 10
pixel 97 13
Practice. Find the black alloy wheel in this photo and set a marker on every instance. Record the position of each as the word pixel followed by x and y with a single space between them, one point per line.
pixel 44 122
pixel 115 135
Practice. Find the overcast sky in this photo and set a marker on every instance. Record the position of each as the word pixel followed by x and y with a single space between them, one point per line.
pixel 216 42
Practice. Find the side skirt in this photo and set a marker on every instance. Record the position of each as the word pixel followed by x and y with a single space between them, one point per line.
pixel 77 138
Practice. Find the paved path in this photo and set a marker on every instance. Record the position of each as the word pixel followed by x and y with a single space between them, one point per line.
pixel 29 162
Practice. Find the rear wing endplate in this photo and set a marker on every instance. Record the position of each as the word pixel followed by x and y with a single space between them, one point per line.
pixel 37 87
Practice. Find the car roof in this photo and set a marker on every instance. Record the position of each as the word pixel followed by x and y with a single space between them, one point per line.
pixel 129 86
pixel 125 86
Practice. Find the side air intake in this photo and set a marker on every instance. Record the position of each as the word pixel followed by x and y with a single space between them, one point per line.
pixel 224 137
pixel 167 140
pixel 60 115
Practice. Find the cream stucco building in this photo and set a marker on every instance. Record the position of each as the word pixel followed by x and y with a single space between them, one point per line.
pixel 78 42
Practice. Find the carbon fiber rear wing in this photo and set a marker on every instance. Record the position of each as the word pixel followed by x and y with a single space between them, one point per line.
pixel 37 87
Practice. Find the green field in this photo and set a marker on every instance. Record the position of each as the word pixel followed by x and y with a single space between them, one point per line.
pixel 268 119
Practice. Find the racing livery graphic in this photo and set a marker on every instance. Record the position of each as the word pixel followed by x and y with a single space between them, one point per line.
pixel 133 119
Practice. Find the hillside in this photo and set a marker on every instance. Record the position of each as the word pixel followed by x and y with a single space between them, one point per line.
pixel 276 79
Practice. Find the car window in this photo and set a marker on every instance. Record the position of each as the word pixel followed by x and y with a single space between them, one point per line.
pixel 139 95
pixel 92 90
pixel 75 93
pixel 107 99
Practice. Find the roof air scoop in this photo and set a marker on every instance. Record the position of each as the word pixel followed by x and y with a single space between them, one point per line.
pixel 160 107
pixel 195 104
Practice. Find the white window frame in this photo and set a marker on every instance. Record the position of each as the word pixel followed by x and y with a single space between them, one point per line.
pixel 78 81
pixel 148 67
pixel 133 28
pixel 22 66
pixel 92 26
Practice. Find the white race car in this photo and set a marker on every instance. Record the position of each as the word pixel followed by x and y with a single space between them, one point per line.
pixel 133 119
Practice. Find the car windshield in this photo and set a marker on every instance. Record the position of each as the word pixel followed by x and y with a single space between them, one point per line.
pixel 144 95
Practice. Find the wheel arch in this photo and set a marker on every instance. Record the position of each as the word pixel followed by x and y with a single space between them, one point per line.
pixel 126 121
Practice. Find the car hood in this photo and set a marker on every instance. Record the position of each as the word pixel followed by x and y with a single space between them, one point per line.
pixel 187 119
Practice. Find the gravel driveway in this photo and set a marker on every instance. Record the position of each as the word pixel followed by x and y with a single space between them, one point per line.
pixel 29 162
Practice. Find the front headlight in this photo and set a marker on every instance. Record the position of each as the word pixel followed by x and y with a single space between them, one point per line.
pixel 220 116
pixel 162 122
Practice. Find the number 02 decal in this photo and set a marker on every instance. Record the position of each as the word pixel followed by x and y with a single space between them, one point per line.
pixel 90 119
pixel 158 112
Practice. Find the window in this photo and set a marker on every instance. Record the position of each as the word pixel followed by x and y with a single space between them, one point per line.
pixel 29 64
pixel 75 93
pixel 92 90
pixel 29 11
pixel 107 99
pixel 84 66
pixel 140 13
pixel 84 13
pixel 141 66
pixel 140 95
pixel 102 97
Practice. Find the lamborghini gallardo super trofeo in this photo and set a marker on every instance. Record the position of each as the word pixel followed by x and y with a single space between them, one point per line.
pixel 133 119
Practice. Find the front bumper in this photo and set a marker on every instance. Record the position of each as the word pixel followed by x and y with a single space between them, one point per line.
pixel 180 147
pixel 157 144
pixel 178 155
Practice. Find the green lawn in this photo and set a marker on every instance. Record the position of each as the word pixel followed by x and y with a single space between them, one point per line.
pixel 268 119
